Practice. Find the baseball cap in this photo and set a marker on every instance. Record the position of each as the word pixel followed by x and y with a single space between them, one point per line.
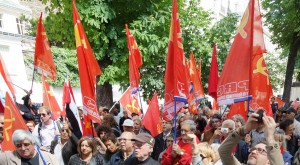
pixel 128 123
pixel 144 138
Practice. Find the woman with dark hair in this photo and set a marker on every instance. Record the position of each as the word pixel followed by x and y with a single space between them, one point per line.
pixel 110 121
pixel 87 153
pixel 110 141
pixel 102 131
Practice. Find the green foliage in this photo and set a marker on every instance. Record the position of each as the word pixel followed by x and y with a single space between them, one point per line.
pixel 149 21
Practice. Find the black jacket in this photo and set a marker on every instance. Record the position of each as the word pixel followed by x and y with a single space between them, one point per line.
pixel 135 161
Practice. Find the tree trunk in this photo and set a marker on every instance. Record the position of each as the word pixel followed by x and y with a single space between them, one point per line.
pixel 104 95
pixel 294 47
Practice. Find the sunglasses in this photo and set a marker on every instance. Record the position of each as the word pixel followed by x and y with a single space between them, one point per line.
pixel 64 130
pixel 42 114
pixel 19 145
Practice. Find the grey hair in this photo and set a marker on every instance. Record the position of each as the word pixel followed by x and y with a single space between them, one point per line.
pixel 239 117
pixel 136 118
pixel 191 123
pixel 20 135
pixel 228 121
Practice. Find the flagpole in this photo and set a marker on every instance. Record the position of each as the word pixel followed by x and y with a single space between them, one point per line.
pixel 113 106
pixel 140 101
pixel 34 70
pixel 251 52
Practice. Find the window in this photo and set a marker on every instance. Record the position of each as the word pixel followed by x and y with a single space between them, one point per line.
pixel 20 26
pixel 1 21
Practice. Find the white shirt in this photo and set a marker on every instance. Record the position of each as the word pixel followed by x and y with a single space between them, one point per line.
pixel 47 134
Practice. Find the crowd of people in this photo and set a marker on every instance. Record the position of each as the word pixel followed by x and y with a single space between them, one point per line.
pixel 205 138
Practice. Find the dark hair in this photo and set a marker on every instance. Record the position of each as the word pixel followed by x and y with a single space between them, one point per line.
pixel 103 128
pixel 109 121
pixel 110 136
pixel 285 123
pixel 105 110
pixel 90 142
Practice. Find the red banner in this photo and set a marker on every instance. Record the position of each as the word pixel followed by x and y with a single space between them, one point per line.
pixel 12 121
pixel 213 75
pixel 43 59
pixel 130 102
pixel 152 120
pixel 49 100
pixel 6 78
pixel 245 72
pixel 88 68
pixel 176 82
pixel 135 60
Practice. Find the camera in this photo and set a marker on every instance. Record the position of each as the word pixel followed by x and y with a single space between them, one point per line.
pixel 260 112
pixel 224 130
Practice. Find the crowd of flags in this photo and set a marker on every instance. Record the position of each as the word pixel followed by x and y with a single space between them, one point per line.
pixel 244 77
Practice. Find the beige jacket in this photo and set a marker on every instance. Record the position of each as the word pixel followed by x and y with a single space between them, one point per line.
pixel 13 158
pixel 225 150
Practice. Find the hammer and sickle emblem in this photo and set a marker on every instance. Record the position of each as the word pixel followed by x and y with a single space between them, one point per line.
pixel 261 69
pixel 244 22
pixel 10 120
pixel 132 106
pixel 79 41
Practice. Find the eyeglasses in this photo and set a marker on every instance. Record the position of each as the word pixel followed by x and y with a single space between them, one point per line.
pixel 64 130
pixel 259 150
pixel 138 144
pixel 42 114
pixel 19 145
pixel 202 156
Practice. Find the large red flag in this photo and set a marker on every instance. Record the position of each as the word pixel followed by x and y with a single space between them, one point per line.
pixel 245 71
pixel 130 103
pixel 152 120
pixel 238 108
pixel 50 101
pixel 279 101
pixel 6 81
pixel 176 82
pixel 213 75
pixel 88 68
pixel 135 60
pixel 43 56
pixel 12 121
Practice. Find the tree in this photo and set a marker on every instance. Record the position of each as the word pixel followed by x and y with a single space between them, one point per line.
pixel 282 17
pixel 149 21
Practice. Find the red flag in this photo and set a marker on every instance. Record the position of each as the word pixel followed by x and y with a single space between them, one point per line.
pixel 245 71
pixel 238 108
pixel 43 56
pixel 50 101
pixel 12 121
pixel 130 103
pixel 151 120
pixel 135 60
pixel 6 78
pixel 1 107
pixel 213 75
pixel 279 101
pixel 176 82
pixel 70 107
pixel 198 87
pixel 88 68
pixel 87 127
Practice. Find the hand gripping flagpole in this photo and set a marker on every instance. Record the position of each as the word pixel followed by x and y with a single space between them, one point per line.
pixel 138 90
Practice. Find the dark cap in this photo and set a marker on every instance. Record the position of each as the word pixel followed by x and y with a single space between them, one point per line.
pixel 144 138
pixel 216 116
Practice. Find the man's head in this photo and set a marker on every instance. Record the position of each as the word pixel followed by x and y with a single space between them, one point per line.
pixel 125 113
pixel 258 155
pixel 166 126
pixel 125 141
pixel 24 142
pixel 216 121
pixel 44 114
pixel 30 124
pixel 272 99
pixel 291 113
pixel 187 127
pixel 288 126
pixel 169 140
pixel 137 124
pixel 239 120
pixel 143 145
pixel 229 125
pixel 128 125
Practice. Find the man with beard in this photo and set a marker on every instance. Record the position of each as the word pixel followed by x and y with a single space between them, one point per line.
pixel 181 152
pixel 126 146
pixel 143 147
pixel 262 153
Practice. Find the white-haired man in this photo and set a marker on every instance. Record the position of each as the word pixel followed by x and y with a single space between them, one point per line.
pixel 26 152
